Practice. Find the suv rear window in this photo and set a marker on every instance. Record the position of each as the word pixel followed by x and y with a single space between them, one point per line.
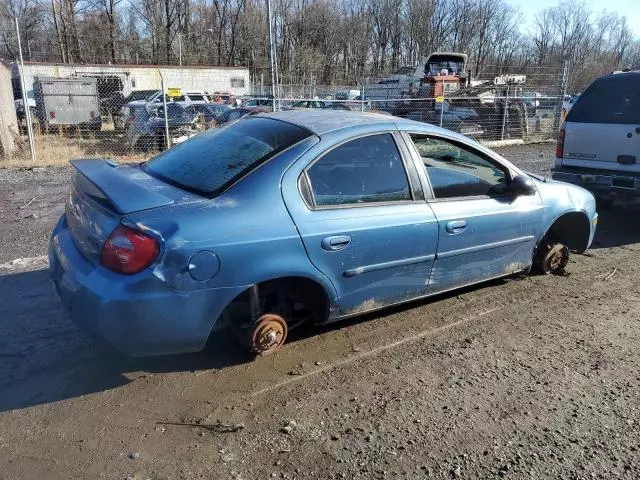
pixel 208 163
pixel 611 99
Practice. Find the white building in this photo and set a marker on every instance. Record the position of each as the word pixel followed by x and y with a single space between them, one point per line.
pixel 234 80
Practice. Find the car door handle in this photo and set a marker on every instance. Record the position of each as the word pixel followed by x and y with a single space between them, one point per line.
pixel 456 226
pixel 335 243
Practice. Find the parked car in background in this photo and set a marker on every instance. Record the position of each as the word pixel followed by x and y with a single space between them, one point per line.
pixel 464 113
pixel 219 97
pixel 136 99
pixel 568 102
pixel 208 112
pixel 599 143
pixel 240 112
pixel 193 98
pixel 145 125
pixel 309 104
pixel 141 95
pixel 532 101
pixel 449 120
pixel 266 103
pixel 346 95
pixel 113 104
pixel 290 222
pixel 355 106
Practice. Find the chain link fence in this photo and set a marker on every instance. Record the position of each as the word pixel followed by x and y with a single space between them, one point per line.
pixel 129 112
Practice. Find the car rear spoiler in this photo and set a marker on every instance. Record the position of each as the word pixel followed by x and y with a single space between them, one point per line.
pixel 119 187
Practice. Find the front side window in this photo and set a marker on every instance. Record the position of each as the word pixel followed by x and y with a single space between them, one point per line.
pixel 456 172
pixel 364 170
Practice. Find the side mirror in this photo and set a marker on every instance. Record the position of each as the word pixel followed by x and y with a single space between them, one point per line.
pixel 522 185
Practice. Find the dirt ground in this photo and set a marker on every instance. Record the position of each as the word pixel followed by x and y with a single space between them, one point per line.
pixel 534 377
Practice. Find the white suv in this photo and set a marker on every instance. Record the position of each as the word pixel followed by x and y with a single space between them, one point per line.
pixel 599 143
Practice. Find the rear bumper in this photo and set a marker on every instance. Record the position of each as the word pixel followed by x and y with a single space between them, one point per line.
pixel 607 186
pixel 138 315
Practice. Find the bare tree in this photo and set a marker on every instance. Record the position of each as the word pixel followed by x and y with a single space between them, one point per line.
pixel 108 7
pixel 329 41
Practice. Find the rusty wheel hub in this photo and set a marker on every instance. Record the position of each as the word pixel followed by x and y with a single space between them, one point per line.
pixel 268 334
pixel 556 259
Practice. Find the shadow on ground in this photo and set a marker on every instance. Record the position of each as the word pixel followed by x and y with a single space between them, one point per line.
pixel 617 226
pixel 44 357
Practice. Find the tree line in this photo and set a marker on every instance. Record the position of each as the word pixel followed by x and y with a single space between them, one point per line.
pixel 322 41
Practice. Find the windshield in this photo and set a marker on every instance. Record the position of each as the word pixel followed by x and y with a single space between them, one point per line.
pixel 451 63
pixel 611 99
pixel 208 163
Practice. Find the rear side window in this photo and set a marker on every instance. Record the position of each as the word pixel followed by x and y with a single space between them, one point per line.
pixel 208 163
pixel 612 99
pixel 364 170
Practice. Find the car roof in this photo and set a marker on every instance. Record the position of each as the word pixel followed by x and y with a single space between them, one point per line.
pixel 321 121
pixel 630 73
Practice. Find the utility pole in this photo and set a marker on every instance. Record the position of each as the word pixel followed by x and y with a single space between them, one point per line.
pixel 25 99
pixel 272 58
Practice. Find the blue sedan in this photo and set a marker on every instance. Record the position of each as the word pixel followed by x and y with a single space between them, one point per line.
pixel 292 217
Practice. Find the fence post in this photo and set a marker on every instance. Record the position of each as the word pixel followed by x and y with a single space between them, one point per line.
pixel 167 140
pixel 25 99
pixel 272 59
pixel 565 83
pixel 441 110
pixel 504 114
pixel 565 78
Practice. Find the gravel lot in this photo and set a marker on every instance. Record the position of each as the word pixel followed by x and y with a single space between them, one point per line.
pixel 535 377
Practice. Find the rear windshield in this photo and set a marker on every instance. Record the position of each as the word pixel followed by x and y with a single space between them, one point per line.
pixel 612 99
pixel 195 97
pixel 210 162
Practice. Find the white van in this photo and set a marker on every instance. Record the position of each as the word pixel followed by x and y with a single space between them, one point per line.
pixel 195 98
pixel 599 144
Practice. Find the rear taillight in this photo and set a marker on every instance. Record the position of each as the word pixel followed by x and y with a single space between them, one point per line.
pixel 128 250
pixel 560 144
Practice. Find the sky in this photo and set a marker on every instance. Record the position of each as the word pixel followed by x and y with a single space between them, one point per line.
pixel 628 8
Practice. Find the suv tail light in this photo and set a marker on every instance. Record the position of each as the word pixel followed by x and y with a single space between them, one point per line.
pixel 560 144
pixel 128 250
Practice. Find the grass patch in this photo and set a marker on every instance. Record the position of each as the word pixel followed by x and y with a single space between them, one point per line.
pixel 56 149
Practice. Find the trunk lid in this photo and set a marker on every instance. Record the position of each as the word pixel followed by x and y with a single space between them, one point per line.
pixel 103 193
